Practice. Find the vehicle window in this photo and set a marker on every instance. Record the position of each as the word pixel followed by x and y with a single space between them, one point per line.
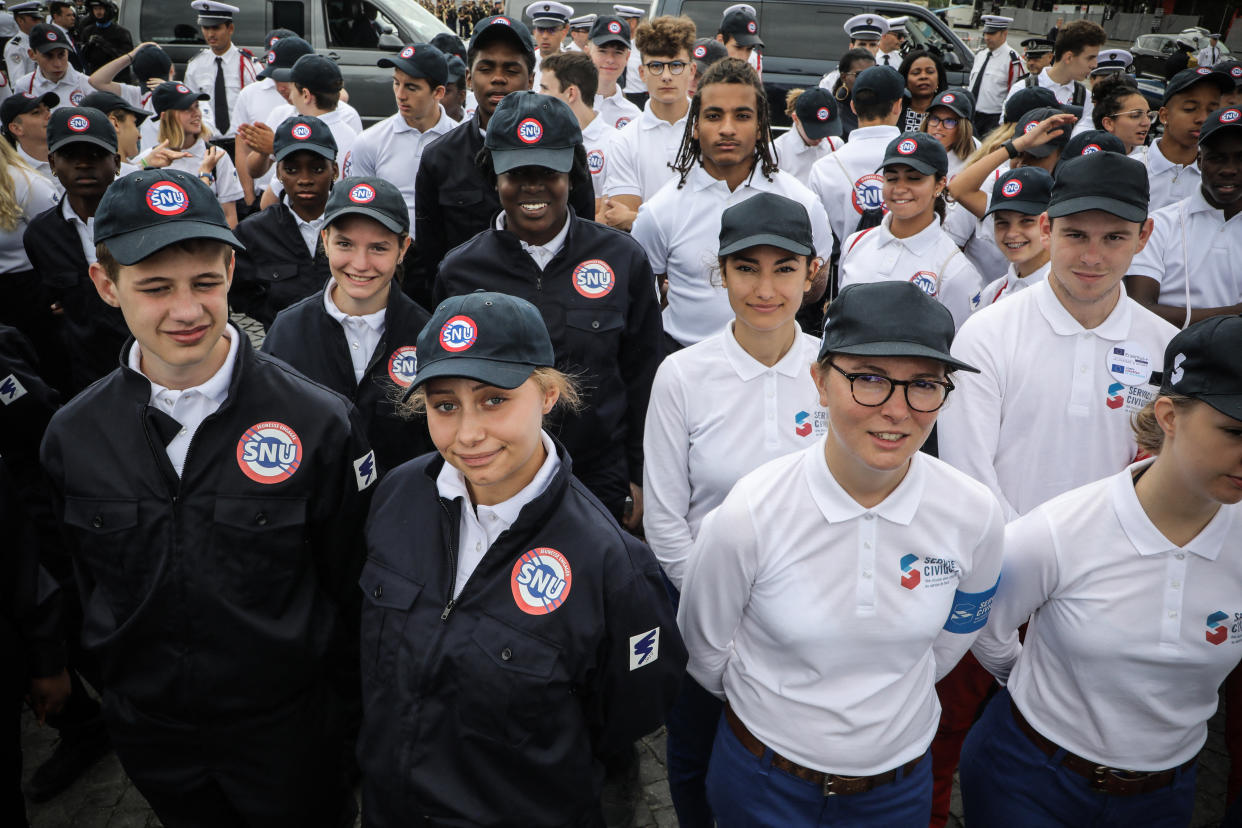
pixel 802 30
pixel 288 14
pixel 356 24
pixel 706 15
pixel 177 23
pixel 923 36
pixel 1168 47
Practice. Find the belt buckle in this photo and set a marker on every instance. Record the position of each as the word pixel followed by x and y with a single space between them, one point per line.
pixel 1099 776
pixel 830 778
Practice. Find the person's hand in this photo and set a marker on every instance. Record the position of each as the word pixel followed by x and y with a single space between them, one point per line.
pixel 1045 131
pixel 47 695
pixel 616 214
pixel 634 520
pixel 259 137
pixel 210 158
pixel 162 156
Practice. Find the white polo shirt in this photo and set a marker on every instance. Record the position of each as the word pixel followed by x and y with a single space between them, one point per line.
pixel 256 101
pixel 716 414
pixel 680 231
pixel 361 332
pixel 929 259
pixel 642 153
pixel 1169 182
pixel 1007 285
pixel 1065 95
pixel 393 150
pixel 616 109
pixel 85 230
pixel 848 181
pixel 71 88
pixel 34 194
pixel 226 187
pixel 1131 636
pixel 1194 234
pixel 823 622
pixel 1051 409
pixel 796 157
pixel 43 168
pixel 597 139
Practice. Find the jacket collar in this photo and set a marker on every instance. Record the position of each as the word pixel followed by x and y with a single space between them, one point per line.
pixel 139 386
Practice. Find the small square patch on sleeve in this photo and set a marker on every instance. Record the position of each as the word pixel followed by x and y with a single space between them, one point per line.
pixel 11 389
pixel 644 648
pixel 364 470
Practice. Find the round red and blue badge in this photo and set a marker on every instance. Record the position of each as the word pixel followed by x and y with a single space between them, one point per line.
pixel 907 147
pixel 1011 188
pixel 614 27
pixel 362 194
pixel 167 198
pixel 269 452
pixel 458 334
pixel 529 131
pixel 541 581
pixel 301 131
pixel 594 279
pixel 403 365
pixel 78 123
pixel 925 281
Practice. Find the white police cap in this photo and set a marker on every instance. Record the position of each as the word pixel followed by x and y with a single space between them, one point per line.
pixel 549 12
pixel 866 26
pixel 212 13
pixel 1113 60
pixel 746 7
pixel 628 11
pixel 996 23
pixel 583 22
pixel 34 7
pixel 897 24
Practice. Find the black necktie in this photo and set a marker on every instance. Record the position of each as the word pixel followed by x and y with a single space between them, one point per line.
pixel 974 87
pixel 886 63
pixel 221 102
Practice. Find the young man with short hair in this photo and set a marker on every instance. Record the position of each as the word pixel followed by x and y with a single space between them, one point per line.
pixel 1172 161
pixel 572 77
pixel 214 528
pixel 644 150
pixel 53 72
pixel 610 50
pixel 739 32
pixel 1074 55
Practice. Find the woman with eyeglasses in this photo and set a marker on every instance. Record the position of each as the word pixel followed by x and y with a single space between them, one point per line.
pixel 834 586
pixel 1134 583
pixel 949 122
pixel 925 77
pixel 1120 108
pixel 851 63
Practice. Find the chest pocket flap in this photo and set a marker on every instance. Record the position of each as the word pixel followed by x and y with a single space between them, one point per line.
pixel 512 649
pixel 384 587
pixel 597 321
pixel 460 196
pixel 277 272
pixel 260 513
pixel 101 516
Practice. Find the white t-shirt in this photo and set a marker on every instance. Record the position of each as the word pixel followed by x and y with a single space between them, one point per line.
pixel 642 153
pixel 796 157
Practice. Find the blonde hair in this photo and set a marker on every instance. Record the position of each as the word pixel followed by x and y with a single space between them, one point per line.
pixel 172 132
pixel 570 397
pixel 791 98
pixel 11 211
pixel 1147 431
pixel 964 143
pixel 992 142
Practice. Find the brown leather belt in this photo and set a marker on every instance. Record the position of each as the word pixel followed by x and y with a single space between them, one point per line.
pixel 1102 778
pixel 830 783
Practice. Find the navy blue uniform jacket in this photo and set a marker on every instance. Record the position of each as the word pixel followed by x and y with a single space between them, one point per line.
pixel 493 709
pixel 274 270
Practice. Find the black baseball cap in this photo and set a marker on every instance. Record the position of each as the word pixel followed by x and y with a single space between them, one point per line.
pixel 80 125
pixel 1233 69
pixel 279 60
pixel 316 73
pixel 1031 120
pixel 919 151
pixel 889 319
pixel 1024 190
pixel 958 100
pixel 490 337
pixel 146 211
pixel 708 50
pixel 1204 361
pixel 766 218
pixel 370 196
pixel 877 84
pixel 450 44
pixel 173 95
pixel 501 26
pixel 19 103
pixel 818 112
pixel 107 103
pixel 152 62
pixel 276 34
pixel 742 25
pixel 419 60
pixel 608 29
pixel 303 132
pixel 1105 181
pixel 1089 141
pixel 1229 118
pixel 532 130
pixel 45 37
pixel 456 69
pixel 1026 99
pixel 1187 78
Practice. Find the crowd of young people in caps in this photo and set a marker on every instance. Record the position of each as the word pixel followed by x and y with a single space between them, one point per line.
pixel 905 444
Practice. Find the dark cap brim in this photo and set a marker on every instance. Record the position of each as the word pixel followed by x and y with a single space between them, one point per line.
pixel 493 372
pixel 766 238
pixel 608 37
pixel 1228 404
pixel 913 163
pixel 318 149
pixel 746 39
pixel 1028 208
pixel 44 48
pixel 821 129
pixel 558 159
pixel 82 139
pixel 1120 209
pixel 132 247
pixel 899 349
pixel 281 74
pixel 371 213
pixel 956 108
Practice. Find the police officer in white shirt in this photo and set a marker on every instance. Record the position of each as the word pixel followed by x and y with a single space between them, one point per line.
pixel 1210 54
pixel 865 31
pixel 834 586
pixel 393 148
pixel 1201 234
pixel 888 50
pixel 579 29
pixel 572 77
pixel 847 181
pixel 221 70
pixel 1131 584
pixel 726 160
pixel 1172 161
pixel 1071 356
pixel 993 74
pixel 549 26
pixel 16 57
pixel 695 450
pixel 52 70
pixel 814 134
pixel 609 48
pixel 634 87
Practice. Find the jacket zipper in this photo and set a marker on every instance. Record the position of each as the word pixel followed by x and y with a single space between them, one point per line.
pixel 452 602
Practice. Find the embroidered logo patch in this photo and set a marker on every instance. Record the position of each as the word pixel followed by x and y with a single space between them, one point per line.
pixel 594 279
pixel 595 161
pixel 868 193
pixel 362 194
pixel 1011 188
pixel 11 390
pixel 79 123
pixel 269 452
pixel 167 199
pixel 403 365
pixel 541 581
pixel 364 470
pixel 614 27
pixel 822 114
pixel 301 131
pixel 458 334
pixel 644 648
pixel 907 147
pixel 925 281
pixel 407 52
pixel 529 131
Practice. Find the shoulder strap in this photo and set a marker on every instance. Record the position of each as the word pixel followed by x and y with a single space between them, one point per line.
pixel 1080 94
pixel 858 237
pixel 1032 81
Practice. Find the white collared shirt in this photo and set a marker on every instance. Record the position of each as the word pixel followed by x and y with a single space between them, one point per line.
pixel 597 139
pixel 1046 376
pixel 797 157
pixel 393 150
pixel 34 194
pixel 1065 95
pixel 616 109
pixel 192 405
pixel 1131 636
pixel 929 259
pixel 86 230
pixel 71 88
pixel 17 56
pixel 1194 234
pixel 1002 72
pixel 239 71
pixel 848 181
pixel 337 123
pixel 634 83
pixel 1208 56
pixel 1169 182
pixel 716 414
pixel 257 101
pixel 892 58
pixel 226 186
pixel 43 168
pixel 310 231
pixel 680 231
pixel 1007 285
pixel 480 526
pixel 823 622
pixel 641 154
pixel 541 253
pixel 361 332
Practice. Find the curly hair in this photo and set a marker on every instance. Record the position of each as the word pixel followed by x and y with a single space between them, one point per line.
pixel 727 70
pixel 1107 93
pixel 665 37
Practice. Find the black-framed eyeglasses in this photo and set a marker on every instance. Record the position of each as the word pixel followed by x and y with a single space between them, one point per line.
pixel 656 67
pixel 873 390
pixel 948 123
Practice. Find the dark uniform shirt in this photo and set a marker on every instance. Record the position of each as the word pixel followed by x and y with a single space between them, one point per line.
pixel 494 708
pixel 275 270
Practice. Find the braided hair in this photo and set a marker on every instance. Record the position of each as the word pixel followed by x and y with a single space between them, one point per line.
pixel 728 70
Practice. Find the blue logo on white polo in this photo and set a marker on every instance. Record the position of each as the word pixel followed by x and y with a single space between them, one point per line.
pixel 644 648
pixel 541 581
pixel 269 452
pixel 595 161
pixel 458 334
pixel 925 281
pixel 594 279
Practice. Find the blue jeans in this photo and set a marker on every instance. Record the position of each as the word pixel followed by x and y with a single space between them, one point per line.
pixel 1006 780
pixel 745 791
